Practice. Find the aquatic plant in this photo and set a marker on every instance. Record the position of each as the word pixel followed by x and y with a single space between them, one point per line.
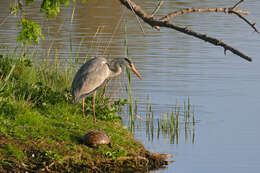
pixel 171 124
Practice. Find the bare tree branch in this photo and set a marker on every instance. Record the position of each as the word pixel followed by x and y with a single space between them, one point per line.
pixel 209 39
pixel 156 23
pixel 192 10
pixel 224 10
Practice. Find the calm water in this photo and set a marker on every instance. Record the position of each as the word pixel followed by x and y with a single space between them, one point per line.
pixel 223 89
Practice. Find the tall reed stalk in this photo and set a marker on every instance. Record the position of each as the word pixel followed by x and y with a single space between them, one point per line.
pixel 129 88
pixel 70 33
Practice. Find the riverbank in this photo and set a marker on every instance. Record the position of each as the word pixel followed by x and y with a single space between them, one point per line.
pixel 40 130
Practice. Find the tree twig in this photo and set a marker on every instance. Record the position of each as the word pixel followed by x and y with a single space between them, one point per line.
pixel 249 23
pixel 113 34
pixel 157 8
pixel 136 16
pixel 165 23
pixel 5 18
pixel 237 4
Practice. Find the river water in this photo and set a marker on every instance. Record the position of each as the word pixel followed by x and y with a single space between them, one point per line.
pixel 223 89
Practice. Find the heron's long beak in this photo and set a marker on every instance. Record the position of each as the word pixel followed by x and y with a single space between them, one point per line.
pixel 135 72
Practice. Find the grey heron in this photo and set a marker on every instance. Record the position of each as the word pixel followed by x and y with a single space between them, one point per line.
pixel 93 74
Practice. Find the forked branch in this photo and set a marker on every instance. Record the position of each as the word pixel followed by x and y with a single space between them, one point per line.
pixel 164 22
pixel 224 10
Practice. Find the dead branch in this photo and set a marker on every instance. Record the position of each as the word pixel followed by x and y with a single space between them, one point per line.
pixel 231 10
pixel 163 22
pixel 192 10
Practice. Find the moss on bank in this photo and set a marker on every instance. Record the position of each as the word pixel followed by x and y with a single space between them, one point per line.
pixel 40 129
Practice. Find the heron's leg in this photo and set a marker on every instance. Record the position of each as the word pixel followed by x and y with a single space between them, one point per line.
pixel 83 107
pixel 93 106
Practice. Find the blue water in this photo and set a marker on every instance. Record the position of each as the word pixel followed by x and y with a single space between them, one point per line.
pixel 223 89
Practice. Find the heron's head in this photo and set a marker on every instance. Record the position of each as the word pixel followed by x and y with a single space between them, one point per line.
pixel 130 65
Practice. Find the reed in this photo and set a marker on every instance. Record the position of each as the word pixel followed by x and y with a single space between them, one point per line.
pixel 70 33
pixel 131 118
pixel 171 125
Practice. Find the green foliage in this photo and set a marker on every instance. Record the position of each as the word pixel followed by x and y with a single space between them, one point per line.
pixel 104 109
pixel 52 7
pixel 6 108
pixel 12 70
pixel 38 124
pixel 5 69
pixel 23 86
pixel 11 151
pixel 15 9
pixel 54 155
pixel 116 154
pixel 38 94
pixel 29 2
pixel 5 66
pixel 31 96
pixel 30 33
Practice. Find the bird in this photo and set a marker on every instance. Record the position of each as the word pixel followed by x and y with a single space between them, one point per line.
pixel 93 75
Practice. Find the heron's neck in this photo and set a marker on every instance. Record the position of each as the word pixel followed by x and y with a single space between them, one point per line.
pixel 115 69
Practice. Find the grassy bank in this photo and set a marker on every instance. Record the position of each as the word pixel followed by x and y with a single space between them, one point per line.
pixel 40 129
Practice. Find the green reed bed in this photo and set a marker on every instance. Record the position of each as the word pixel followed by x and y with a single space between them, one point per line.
pixel 171 125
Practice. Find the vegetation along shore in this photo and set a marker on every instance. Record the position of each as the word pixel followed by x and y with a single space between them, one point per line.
pixel 40 129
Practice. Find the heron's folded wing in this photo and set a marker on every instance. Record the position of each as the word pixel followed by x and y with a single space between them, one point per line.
pixel 89 77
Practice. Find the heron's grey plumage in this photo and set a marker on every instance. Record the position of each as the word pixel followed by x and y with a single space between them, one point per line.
pixel 87 79
pixel 93 74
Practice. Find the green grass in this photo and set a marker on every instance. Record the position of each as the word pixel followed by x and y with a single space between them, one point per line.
pixel 9 150
pixel 39 125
